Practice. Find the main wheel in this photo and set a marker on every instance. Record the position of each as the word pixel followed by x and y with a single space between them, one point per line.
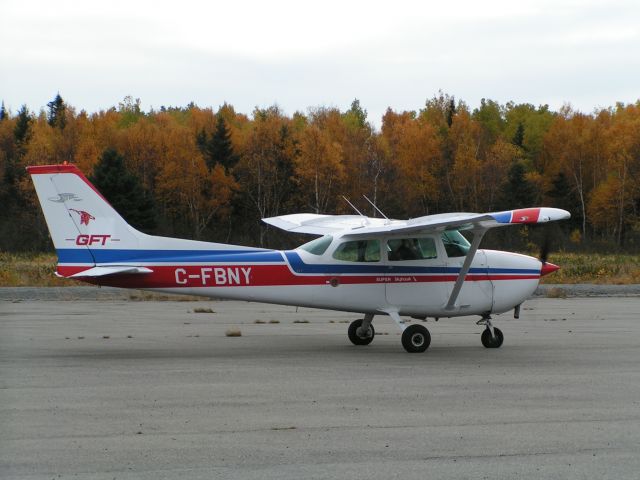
pixel 357 339
pixel 492 342
pixel 416 338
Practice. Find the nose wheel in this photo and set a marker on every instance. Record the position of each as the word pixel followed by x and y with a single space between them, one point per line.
pixel 492 337
pixel 490 341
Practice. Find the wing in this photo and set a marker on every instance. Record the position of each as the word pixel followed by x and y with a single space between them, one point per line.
pixel 320 224
pixel 479 223
pixel 354 225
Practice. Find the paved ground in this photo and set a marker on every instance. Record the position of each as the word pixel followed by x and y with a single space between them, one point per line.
pixel 109 293
pixel 121 389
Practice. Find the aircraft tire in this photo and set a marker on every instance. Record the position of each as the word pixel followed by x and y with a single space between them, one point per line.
pixel 416 338
pixel 492 342
pixel 355 338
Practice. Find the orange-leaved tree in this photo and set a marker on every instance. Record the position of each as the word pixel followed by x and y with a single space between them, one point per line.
pixel 186 188
pixel 318 168
pixel 415 154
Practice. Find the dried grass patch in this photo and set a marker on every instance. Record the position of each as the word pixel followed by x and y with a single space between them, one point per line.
pixel 233 332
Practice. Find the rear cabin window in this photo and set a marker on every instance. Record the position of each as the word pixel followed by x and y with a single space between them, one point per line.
pixel 411 249
pixel 317 246
pixel 358 251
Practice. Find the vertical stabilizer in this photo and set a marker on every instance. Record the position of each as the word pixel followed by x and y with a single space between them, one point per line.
pixel 78 216
pixel 88 232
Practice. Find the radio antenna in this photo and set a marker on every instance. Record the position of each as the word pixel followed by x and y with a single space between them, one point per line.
pixel 353 206
pixel 376 207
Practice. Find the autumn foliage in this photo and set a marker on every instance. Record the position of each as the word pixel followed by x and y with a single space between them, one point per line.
pixel 212 174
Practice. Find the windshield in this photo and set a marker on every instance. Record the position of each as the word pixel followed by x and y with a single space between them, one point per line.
pixel 317 246
pixel 455 244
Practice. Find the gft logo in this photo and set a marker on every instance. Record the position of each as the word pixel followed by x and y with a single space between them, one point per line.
pixel 92 239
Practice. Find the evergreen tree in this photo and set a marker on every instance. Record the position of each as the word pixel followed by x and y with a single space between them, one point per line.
pixel 563 195
pixel 518 192
pixel 451 111
pixel 560 189
pixel 518 137
pixel 23 125
pixel 219 147
pixel 358 113
pixel 57 113
pixel 123 190
pixel 201 141
pixel 11 197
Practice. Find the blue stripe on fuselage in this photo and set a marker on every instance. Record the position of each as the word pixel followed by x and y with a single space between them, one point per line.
pixel 298 266
pixel 82 255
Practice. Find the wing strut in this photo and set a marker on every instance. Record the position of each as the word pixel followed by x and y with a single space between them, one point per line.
pixel 478 233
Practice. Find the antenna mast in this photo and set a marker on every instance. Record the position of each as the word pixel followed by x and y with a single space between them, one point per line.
pixel 376 207
pixel 352 206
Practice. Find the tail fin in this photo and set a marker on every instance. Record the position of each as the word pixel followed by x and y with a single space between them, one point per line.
pixel 88 232
pixel 78 216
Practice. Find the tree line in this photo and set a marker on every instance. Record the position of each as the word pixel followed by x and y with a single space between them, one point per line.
pixel 212 174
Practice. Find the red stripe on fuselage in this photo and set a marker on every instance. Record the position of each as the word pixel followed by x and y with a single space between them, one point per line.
pixel 197 276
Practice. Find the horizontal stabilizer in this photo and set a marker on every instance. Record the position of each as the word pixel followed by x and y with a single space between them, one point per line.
pixel 115 270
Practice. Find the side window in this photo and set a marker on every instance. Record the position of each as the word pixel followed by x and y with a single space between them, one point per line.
pixel 428 248
pixel 358 251
pixel 411 249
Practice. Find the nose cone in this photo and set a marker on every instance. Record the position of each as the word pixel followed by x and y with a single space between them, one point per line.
pixel 548 268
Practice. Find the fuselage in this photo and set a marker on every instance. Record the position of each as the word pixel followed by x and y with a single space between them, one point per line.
pixel 337 273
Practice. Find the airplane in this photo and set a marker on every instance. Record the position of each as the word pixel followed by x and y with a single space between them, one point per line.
pixel 422 267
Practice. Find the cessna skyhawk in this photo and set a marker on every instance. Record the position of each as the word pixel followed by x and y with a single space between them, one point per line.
pixel 423 267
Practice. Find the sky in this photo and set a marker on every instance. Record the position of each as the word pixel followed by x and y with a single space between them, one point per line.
pixel 302 54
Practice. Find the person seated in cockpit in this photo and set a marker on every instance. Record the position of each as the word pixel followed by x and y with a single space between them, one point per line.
pixel 406 250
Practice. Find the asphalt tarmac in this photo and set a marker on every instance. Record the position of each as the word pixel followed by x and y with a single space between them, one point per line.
pixel 152 390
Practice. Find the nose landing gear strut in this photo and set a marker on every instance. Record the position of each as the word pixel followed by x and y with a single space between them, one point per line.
pixel 492 337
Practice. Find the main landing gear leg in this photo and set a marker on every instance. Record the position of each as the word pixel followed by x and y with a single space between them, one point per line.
pixel 361 331
pixel 492 336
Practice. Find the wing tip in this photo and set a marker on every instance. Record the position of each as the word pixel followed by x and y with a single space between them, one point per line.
pixel 531 215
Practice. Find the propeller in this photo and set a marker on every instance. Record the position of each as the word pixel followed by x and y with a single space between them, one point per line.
pixel 545 247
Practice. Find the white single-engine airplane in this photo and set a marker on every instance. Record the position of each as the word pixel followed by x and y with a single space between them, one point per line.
pixel 423 267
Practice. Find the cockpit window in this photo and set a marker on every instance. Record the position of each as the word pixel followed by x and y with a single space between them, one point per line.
pixel 455 244
pixel 411 249
pixel 317 246
pixel 358 251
